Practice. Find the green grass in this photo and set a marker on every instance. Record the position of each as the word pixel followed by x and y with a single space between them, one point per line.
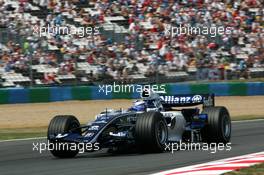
pixel 20 133
pixel 10 136
pixel 253 170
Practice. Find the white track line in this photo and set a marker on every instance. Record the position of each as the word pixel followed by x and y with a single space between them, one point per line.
pixel 13 140
pixel 201 169
pixel 245 121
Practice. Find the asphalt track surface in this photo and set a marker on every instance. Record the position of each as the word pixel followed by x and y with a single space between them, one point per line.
pixel 17 157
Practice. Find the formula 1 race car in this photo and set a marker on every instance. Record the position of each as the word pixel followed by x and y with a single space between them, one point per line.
pixel 147 126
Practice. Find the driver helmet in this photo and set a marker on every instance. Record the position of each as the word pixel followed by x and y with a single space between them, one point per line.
pixel 139 105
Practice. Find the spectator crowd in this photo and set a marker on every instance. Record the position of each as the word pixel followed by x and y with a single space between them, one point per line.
pixel 145 49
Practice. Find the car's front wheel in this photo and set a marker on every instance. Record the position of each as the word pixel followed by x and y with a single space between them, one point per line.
pixel 151 132
pixel 58 125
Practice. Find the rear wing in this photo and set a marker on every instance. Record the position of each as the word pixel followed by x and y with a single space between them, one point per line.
pixel 206 100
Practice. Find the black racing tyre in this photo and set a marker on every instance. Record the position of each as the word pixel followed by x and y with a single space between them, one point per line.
pixel 218 129
pixel 151 132
pixel 62 124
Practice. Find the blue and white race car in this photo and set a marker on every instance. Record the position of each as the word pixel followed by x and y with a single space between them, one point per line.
pixel 147 126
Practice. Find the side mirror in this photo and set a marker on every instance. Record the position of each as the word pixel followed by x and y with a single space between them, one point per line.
pixel 168 120
pixel 145 93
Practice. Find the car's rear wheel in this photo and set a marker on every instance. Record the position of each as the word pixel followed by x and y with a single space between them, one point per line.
pixel 151 132
pixel 58 125
pixel 218 129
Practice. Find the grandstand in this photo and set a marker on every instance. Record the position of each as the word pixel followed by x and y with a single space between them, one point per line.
pixel 132 46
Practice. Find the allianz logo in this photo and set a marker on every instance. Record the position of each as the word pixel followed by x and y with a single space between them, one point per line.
pixel 183 99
